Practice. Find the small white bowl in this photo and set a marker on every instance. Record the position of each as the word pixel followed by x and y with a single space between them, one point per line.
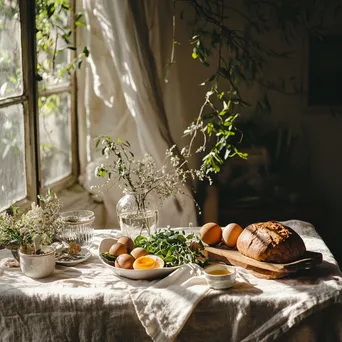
pixel 220 276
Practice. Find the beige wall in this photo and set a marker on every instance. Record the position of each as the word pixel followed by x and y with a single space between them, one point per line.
pixel 320 132
pixel 322 135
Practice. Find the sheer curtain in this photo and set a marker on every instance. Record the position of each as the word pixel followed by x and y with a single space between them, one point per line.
pixel 121 92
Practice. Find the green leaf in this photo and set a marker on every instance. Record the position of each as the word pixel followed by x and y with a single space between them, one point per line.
pixel 220 95
pixel 101 172
pixel 50 10
pixel 80 23
pixel 78 16
pixel 215 166
pixel 210 128
pixel 208 116
pixel 66 38
pixel 194 39
pixel 85 51
pixel 223 112
pixel 227 153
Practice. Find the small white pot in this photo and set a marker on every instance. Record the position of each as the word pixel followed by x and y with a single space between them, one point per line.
pixel 38 266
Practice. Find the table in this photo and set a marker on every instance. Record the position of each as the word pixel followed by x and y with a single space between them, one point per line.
pixel 89 303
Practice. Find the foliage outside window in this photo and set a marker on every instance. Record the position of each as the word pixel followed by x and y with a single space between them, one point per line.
pixel 37 97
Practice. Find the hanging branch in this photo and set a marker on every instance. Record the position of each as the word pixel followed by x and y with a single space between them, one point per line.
pixel 240 58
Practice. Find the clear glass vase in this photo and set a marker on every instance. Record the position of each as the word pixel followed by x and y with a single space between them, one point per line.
pixel 137 213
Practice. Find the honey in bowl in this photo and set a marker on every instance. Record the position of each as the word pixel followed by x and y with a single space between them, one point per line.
pixel 219 272
pixel 220 276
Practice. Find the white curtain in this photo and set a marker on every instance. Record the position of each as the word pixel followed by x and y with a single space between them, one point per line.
pixel 121 92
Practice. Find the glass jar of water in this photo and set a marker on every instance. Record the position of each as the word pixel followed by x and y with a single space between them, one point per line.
pixel 137 213
pixel 77 227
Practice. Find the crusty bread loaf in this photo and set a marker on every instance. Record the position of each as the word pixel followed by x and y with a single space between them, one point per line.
pixel 270 241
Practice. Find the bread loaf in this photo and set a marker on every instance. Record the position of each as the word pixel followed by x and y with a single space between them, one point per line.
pixel 270 241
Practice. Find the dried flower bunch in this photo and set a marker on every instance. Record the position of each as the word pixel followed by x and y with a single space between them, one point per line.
pixel 135 175
pixel 19 229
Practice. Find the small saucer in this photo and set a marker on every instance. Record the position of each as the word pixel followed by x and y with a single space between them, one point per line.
pixel 84 255
pixel 9 263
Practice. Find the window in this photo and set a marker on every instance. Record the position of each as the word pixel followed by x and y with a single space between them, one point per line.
pixel 38 140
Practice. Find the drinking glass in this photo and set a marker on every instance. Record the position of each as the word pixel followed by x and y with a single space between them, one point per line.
pixel 78 227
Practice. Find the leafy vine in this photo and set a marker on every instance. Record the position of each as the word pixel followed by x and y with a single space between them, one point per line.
pixel 237 56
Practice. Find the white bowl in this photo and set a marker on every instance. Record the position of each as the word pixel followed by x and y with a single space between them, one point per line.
pixel 132 274
pixel 220 276
pixel 38 266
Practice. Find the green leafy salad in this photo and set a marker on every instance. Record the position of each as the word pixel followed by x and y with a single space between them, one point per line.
pixel 174 247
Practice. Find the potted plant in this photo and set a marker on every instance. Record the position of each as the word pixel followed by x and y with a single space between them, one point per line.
pixel 37 261
pixel 31 235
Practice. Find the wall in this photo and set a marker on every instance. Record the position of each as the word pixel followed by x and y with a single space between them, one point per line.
pixel 318 133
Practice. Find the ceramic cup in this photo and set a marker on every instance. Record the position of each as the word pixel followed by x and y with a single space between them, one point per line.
pixel 220 276
pixel 38 266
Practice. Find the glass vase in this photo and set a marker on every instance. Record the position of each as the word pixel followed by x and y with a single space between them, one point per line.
pixel 137 214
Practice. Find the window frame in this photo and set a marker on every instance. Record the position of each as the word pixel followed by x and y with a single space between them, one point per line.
pixel 29 100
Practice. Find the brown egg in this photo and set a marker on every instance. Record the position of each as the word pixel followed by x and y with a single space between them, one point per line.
pixel 138 252
pixel 117 249
pixel 211 233
pixel 127 241
pixel 124 261
pixel 231 233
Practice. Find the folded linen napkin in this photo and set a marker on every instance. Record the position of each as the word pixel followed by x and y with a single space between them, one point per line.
pixel 164 307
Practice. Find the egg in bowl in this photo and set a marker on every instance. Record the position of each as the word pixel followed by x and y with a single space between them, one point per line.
pixel 148 262
pixel 142 274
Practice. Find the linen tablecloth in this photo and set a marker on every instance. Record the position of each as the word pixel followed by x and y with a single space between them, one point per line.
pixel 89 302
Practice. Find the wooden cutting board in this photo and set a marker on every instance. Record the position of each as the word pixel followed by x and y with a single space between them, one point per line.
pixel 262 269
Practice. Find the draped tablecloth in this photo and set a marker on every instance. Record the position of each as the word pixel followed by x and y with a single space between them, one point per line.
pixel 89 302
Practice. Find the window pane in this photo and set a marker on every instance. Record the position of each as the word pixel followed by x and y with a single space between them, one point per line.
pixel 12 154
pixel 53 53
pixel 10 49
pixel 55 137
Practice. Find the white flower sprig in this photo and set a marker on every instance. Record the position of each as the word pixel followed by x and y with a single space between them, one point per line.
pixel 44 220
pixel 134 175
